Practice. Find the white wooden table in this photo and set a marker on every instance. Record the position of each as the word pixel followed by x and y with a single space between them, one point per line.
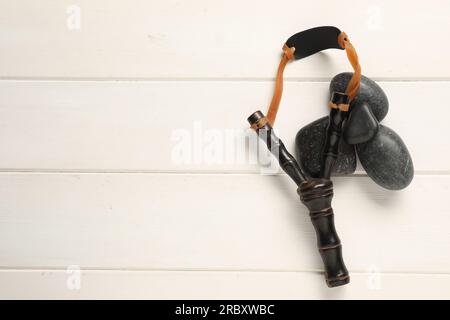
pixel 94 95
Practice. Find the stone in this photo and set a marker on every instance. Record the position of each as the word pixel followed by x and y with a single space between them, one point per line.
pixel 361 125
pixel 309 143
pixel 386 159
pixel 369 92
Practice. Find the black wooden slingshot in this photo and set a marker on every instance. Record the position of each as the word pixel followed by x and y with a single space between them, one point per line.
pixel 316 189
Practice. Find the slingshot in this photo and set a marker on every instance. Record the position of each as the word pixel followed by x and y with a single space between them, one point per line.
pixel 316 193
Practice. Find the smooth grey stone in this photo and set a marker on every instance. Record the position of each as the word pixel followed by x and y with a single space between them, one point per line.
pixel 369 92
pixel 386 159
pixel 309 143
pixel 361 125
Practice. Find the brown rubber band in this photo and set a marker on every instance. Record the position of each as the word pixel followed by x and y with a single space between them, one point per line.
pixel 353 85
pixel 288 54
pixel 342 107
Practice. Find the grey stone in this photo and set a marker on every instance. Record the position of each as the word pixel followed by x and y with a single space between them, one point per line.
pixel 361 125
pixel 369 92
pixel 309 143
pixel 386 159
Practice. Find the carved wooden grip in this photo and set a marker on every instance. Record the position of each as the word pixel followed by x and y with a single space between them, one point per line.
pixel 316 195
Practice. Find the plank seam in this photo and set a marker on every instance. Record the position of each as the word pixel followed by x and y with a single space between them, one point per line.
pixel 209 79
pixel 184 172
pixel 200 270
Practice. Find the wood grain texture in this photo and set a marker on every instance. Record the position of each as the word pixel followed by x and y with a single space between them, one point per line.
pixel 111 284
pixel 137 126
pixel 215 222
pixel 217 39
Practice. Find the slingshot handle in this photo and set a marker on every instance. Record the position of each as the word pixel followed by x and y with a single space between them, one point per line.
pixel 316 194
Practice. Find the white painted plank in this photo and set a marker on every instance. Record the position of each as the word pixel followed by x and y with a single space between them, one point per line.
pixel 135 126
pixel 215 222
pixel 220 39
pixel 102 284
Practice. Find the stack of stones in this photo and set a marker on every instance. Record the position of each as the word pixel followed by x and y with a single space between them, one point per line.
pixel 381 151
